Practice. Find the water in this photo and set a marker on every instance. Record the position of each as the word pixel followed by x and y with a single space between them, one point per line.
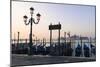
pixel 74 44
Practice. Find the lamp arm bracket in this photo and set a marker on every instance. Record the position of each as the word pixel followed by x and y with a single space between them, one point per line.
pixel 27 23
pixel 35 21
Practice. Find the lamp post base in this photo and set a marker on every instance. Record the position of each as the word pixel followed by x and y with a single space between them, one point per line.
pixel 30 51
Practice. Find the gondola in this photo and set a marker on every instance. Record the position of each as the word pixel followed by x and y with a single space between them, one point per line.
pixel 78 50
pixel 86 51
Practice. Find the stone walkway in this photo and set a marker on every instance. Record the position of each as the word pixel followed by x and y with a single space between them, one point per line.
pixel 21 60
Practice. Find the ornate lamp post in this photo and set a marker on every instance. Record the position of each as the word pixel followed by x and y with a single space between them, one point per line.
pixel 31 21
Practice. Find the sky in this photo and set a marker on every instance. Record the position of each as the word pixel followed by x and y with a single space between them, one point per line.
pixel 78 19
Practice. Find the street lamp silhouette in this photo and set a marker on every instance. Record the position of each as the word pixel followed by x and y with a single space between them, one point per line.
pixel 31 21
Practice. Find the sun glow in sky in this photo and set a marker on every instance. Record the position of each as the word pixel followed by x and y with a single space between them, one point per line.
pixel 77 19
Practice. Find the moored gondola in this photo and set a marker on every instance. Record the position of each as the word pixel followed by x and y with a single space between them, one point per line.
pixel 78 50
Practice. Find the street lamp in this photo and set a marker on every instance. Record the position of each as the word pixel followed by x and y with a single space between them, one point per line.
pixel 25 18
pixel 31 10
pixel 31 20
